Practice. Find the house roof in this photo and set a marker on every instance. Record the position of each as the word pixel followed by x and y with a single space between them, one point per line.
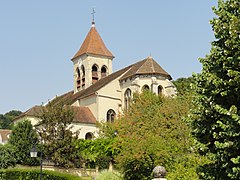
pixel 4 134
pixel 146 66
pixel 93 44
pixel 81 114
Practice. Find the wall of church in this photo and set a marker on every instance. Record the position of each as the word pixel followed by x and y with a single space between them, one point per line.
pixel 109 97
pixel 91 103
pixel 138 83
pixel 84 129
pixel 106 104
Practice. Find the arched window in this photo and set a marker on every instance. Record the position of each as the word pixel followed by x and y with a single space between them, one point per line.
pixel 127 98
pixel 83 75
pixel 103 72
pixel 160 90
pixel 94 73
pixel 89 136
pixel 78 72
pixel 78 77
pixel 145 88
pixel 111 115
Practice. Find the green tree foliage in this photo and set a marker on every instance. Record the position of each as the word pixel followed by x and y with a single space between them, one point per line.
pixel 7 158
pixel 55 131
pixel 6 119
pixel 215 117
pixel 99 151
pixel 23 137
pixel 183 86
pixel 152 133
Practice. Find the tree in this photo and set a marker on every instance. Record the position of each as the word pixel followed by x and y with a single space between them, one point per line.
pixel 6 156
pixel 4 122
pixel 183 85
pixel 23 137
pixel 152 133
pixel 215 117
pixel 55 131
pixel 100 151
pixel 6 119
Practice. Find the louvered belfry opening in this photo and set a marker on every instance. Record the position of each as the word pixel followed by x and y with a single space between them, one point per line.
pixel 94 74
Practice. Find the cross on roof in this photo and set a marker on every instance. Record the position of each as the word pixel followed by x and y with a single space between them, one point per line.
pixel 93 12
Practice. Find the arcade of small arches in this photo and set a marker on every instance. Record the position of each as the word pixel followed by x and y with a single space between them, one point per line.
pixel 128 94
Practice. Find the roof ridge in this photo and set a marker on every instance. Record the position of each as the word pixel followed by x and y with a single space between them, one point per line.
pixel 141 65
pixel 152 65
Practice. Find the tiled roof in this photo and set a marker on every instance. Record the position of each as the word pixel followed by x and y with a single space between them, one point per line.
pixel 93 44
pixel 4 134
pixel 34 111
pixel 81 114
pixel 146 66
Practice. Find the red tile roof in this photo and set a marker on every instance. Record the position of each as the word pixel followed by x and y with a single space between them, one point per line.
pixel 81 114
pixel 93 44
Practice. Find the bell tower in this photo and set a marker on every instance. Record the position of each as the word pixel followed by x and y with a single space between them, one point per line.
pixel 92 61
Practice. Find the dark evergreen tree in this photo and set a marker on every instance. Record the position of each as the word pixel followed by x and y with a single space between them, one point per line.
pixel 6 119
pixel 23 138
pixel 215 117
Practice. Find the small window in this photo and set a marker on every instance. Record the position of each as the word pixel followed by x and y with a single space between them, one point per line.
pixel 78 78
pixel 103 72
pixel 94 73
pixel 160 90
pixel 83 71
pixel 83 76
pixel 145 88
pixel 127 98
pixel 89 136
pixel 78 72
pixel 111 116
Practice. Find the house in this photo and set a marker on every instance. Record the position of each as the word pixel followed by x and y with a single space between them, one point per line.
pixel 99 94
pixel 4 135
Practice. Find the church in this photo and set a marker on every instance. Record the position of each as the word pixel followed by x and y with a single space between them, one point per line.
pixel 99 94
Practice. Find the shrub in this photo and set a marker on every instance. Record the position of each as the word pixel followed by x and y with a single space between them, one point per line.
pixel 14 174
pixel 6 156
pixel 109 175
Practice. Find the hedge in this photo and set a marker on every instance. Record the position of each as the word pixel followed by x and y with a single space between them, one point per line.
pixel 28 174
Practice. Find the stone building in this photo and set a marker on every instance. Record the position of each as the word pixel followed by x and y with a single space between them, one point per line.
pixel 99 94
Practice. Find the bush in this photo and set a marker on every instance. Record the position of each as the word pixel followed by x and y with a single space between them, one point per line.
pixel 109 175
pixel 103 162
pixel 14 174
pixel 6 156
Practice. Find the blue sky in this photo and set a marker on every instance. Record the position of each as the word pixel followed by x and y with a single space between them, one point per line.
pixel 38 39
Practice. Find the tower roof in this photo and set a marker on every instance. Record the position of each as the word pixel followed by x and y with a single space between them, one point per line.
pixel 93 44
pixel 146 66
